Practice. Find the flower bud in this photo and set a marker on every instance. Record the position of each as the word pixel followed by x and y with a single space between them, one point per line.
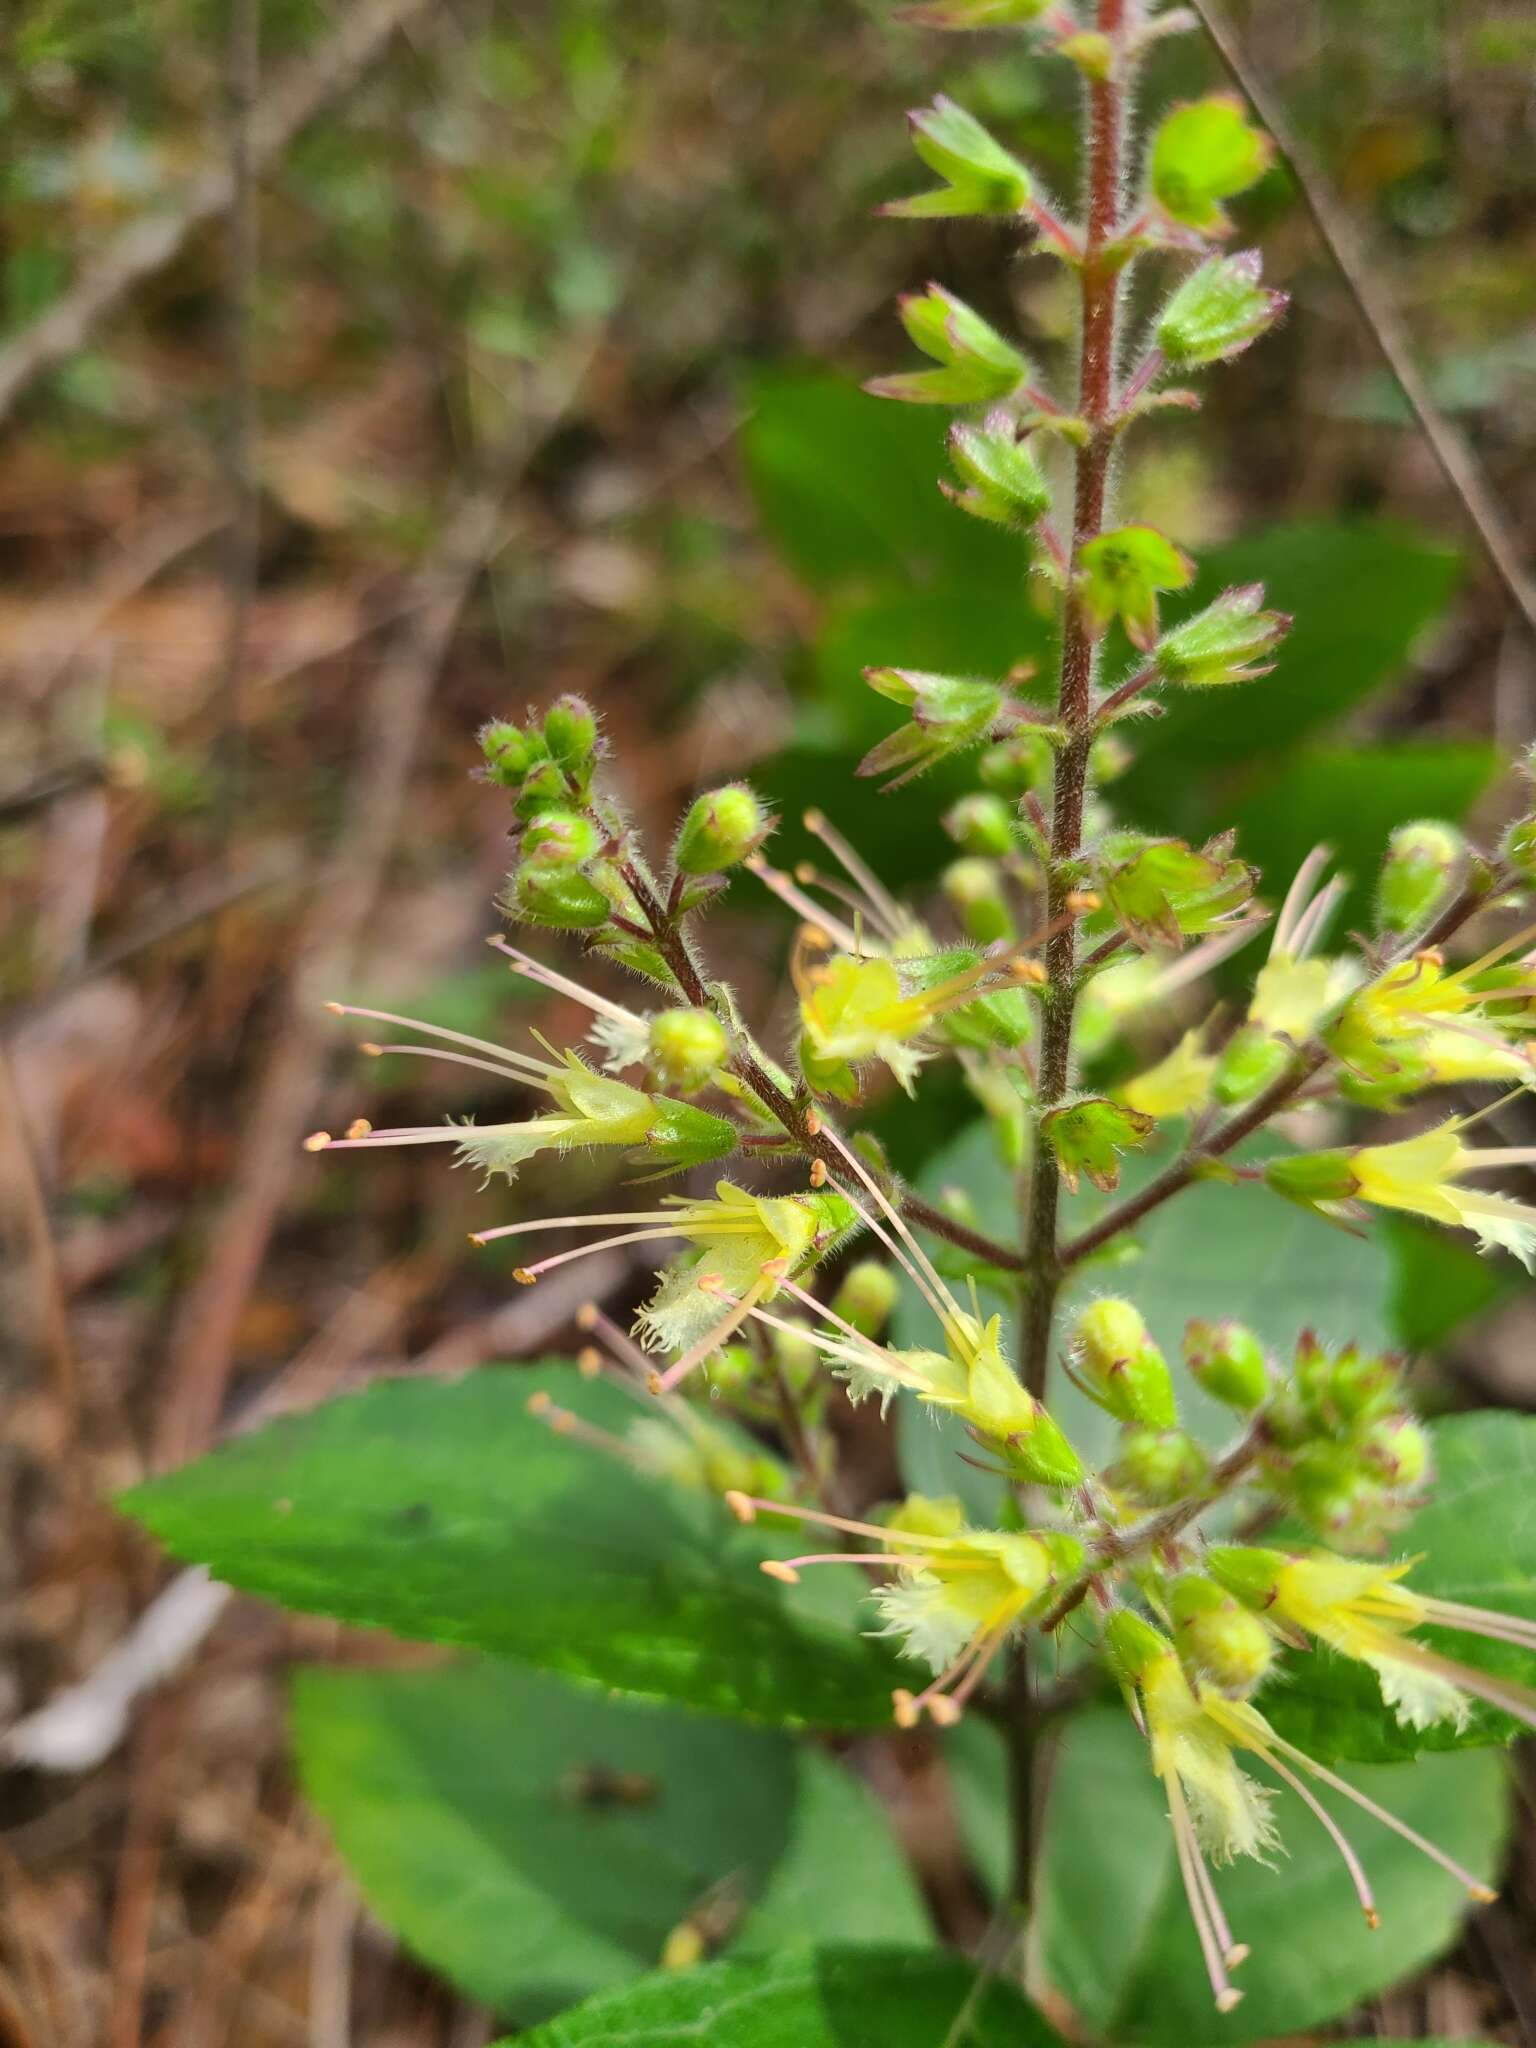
pixel 1398 1448
pixel 1226 643
pixel 686 1048
pixel 570 732
pixel 1120 1367
pixel 1520 848
pixel 1309 1177
pixel 795 1355
pixel 974 891
pixel 509 752
pixel 561 837
pixel 1092 53
pixel 722 828
pixel 1356 1387
pixel 563 898
pixel 977 364
pixel 1157 1468
pixel 1217 312
pixel 1002 480
pixel 1225 1643
pixel 980 176
pixel 1249 1574
pixel 544 787
pixel 1417 874
pixel 981 824
pixel 1134 1645
pixel 866 1296
pixel 1227 1359
pixel 1016 765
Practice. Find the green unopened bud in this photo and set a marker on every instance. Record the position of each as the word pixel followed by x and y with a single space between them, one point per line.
pixel 795 1356
pixel 1249 1574
pixel 1018 764
pixel 1134 1645
pixel 1418 874
pixel 1226 643
pixel 1398 1448
pixel 722 828
pixel 1217 311
pixel 509 752
pixel 1092 53
pixel 1002 481
pixel 544 788
pixel 561 836
pixel 981 823
pixel 563 898
pixel 1120 1367
pixel 974 890
pixel 1228 1361
pixel 1251 1058
pixel 1156 1468
pixel 686 1049
pixel 866 1297
pixel 730 1369
pixel 1309 1177
pixel 1226 1643
pixel 1357 1386
pixel 570 732
pixel 980 176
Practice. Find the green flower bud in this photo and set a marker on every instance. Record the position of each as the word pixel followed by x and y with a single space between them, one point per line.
pixel 1092 53
pixel 1226 643
pixel 1309 1177
pixel 1018 764
pixel 561 837
pixel 1228 1361
pixel 974 890
pixel 570 732
pixel 1418 874
pixel 1216 312
pixel 1358 1387
pixel 1002 481
pixel 1120 1367
pixel 1156 1468
pixel 544 788
pixel 1520 848
pixel 731 1369
pixel 1398 1448
pixel 1251 1058
pixel 1328 1487
pixel 686 1048
pixel 1249 1574
pixel 1134 1645
pixel 560 897
pixel 795 1356
pixel 1224 1642
pixel 722 828
pixel 981 824
pixel 509 752
pixel 866 1296
pixel 1108 758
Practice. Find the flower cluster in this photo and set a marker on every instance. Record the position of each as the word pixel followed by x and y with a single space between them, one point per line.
pixel 1062 963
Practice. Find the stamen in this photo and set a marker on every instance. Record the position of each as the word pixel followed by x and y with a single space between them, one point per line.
pixel 1314 921
pixel 811 877
pixel 497 1052
pixel 564 1423
pixel 1510 1698
pixel 1341 1841
pixel 654 1217
pixel 1481 1621
pixel 746 1507
pixel 1294 906
pixel 1192 1870
pixel 590 1317
pixel 438 1052
pixel 816 824
pixel 526 1276
pixel 547 977
pixel 804 906
pixel 924 1263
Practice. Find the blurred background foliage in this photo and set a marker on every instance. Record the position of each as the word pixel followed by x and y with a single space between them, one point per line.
pixel 612 268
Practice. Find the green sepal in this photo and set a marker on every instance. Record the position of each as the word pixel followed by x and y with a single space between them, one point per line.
pixel 1202 153
pixel 1120 575
pixel 978 365
pixel 1162 890
pixel 1089 1134
pixel 1225 643
pixel 950 714
pixel 1218 311
pixel 981 177
pixel 1003 482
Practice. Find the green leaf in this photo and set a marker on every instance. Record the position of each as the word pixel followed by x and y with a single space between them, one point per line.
pixel 449 1514
pixel 1475 1540
pixel 1213 1252
pixel 827 1998
pixel 1114 1935
pixel 1121 575
pixel 1442 1282
pixel 1202 153
pixel 536 1843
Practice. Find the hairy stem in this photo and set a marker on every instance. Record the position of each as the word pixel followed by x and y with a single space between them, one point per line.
pixel 1101 277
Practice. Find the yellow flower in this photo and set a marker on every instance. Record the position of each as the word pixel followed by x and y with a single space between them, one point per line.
pixel 1177 1084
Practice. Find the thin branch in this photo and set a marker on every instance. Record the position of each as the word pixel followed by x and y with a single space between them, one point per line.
pixel 1455 459
pixel 149 245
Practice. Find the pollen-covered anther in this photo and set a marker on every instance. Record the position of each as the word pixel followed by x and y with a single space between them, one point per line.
pixel 587 1315
pixel 904 1708
pixel 317 1141
pixel 525 1276
pixel 943 1711
pixel 1083 900
pixel 775 1568
pixel 370 1049
pixel 818 1173
pixel 1030 972
pixel 359 1127
pixel 589 1361
pixel 539 1403
pixel 741 1505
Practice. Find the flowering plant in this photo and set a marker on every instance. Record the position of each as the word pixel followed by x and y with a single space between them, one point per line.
pixel 1186 1568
